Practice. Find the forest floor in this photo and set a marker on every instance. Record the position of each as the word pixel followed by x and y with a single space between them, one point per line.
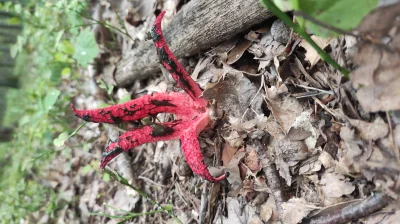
pixel 300 142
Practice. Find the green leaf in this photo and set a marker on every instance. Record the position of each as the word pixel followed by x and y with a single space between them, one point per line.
pixel 284 5
pixel 58 38
pixel 60 140
pixel 66 47
pixel 168 207
pixel 17 8
pixel 86 48
pixel 14 50
pixel 103 85
pixel 14 21
pixel 57 69
pixel 51 98
pixel 86 169
pixel 106 177
pixel 124 99
pixel 65 72
pixel 342 14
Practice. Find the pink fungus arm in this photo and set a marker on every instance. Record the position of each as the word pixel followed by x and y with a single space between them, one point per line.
pixel 146 134
pixel 147 105
pixel 191 112
pixel 171 63
pixel 194 157
pixel 191 149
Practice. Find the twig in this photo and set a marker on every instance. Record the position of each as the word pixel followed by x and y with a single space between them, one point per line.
pixel 351 212
pixel 272 177
pixel 313 88
pixel 346 101
pixel 396 151
pixel 305 73
pixel 286 19
pixel 315 92
pixel 76 130
pixel 152 182
pixel 203 204
pixel 274 183
pixel 104 24
pixel 252 100
pixel 329 110
pixel 180 193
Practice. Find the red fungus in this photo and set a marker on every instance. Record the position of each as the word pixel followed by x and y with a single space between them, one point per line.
pixel 190 109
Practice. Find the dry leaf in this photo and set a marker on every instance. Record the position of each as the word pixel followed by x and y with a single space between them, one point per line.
pixel 289 153
pixel 233 169
pixel 303 122
pixel 202 65
pixel 235 94
pixel 350 151
pixel 237 213
pixel 312 56
pixel 310 168
pixel 265 212
pixel 370 131
pixel 286 112
pixel 252 161
pixel 377 77
pixel 268 210
pixel 381 23
pixel 227 154
pixel 234 138
pixel 267 48
pixel 326 160
pixel 298 134
pixel 236 53
pixel 335 185
pixel 255 220
pixel 294 210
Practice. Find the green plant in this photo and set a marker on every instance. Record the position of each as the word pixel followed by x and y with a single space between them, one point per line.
pixel 49 51
pixel 323 18
pixel 129 215
pixel 303 33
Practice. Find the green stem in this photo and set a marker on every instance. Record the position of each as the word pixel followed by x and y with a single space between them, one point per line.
pixel 286 19
pixel 125 182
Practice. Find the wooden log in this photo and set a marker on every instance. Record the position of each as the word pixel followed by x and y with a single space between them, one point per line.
pixel 198 26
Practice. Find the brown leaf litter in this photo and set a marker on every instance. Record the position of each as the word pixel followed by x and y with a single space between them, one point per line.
pixel 300 143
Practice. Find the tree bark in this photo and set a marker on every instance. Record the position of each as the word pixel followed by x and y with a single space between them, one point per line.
pixel 198 26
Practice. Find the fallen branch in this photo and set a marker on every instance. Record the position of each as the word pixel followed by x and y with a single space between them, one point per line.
pixel 198 26
pixel 354 211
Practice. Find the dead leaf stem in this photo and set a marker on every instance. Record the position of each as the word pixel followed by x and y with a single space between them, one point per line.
pixel 351 212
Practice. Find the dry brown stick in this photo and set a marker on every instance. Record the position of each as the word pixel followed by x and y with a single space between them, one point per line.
pixel 271 174
pixel 198 26
pixel 274 183
pixel 351 212
pixel 204 204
